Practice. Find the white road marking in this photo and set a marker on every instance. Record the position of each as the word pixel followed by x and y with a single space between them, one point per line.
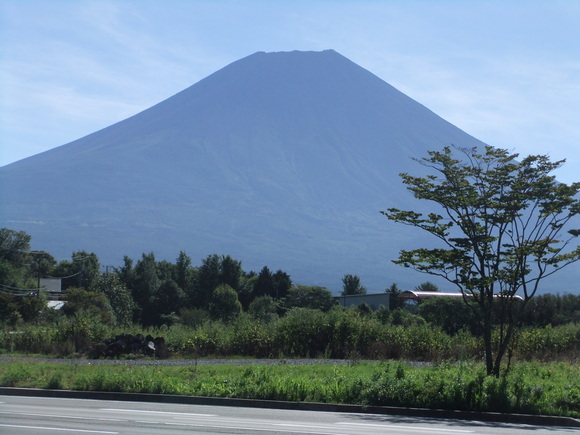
pixel 253 429
pixel 426 429
pixel 62 429
pixel 183 414
pixel 60 416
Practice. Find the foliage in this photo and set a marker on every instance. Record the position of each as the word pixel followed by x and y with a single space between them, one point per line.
pixel 549 309
pixel 118 295
pixel 224 304
pixel 351 286
pixel 264 309
pixel 530 388
pixel 450 314
pixel 314 297
pixel 80 272
pixel 91 303
pixel 501 230
pixel 427 286
pixel 169 298
pixel 394 300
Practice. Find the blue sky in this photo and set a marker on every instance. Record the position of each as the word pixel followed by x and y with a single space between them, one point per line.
pixel 507 72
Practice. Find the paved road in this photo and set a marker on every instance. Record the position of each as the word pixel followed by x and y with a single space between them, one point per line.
pixel 38 415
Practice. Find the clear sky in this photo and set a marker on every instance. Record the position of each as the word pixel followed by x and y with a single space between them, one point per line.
pixel 506 72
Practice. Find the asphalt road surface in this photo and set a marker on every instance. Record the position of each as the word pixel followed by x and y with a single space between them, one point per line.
pixel 38 415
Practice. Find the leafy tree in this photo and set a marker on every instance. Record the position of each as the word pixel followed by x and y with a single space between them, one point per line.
pixel 80 272
pixel 30 307
pixel 549 309
pixel 282 284
pixel 427 286
pixel 351 286
pixel 165 270
pixel 183 272
pixel 88 266
pixel 450 314
pixel 246 290
pixel 169 298
pixel 14 258
pixel 315 297
pixel 264 285
pixel 230 272
pixel 224 304
pixel 41 265
pixel 264 308
pixel 91 303
pixel 145 287
pixel 208 278
pixel 501 231
pixel 118 295
pixel 14 246
pixel 403 317
pixel 9 310
pixel 394 300
pixel 126 273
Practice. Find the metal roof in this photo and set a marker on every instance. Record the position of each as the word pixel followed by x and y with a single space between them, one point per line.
pixel 416 295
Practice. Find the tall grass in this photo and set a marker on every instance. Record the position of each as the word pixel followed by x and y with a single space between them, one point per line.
pixel 302 332
pixel 530 387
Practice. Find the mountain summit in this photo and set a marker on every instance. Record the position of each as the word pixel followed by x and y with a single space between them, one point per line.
pixel 278 159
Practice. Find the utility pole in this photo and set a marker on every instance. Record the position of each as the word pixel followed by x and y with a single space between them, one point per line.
pixel 38 258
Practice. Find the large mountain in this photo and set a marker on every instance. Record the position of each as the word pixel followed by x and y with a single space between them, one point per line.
pixel 278 159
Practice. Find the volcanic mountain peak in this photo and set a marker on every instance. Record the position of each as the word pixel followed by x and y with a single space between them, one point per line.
pixel 279 159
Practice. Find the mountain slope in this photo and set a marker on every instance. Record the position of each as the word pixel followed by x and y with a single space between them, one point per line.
pixel 278 159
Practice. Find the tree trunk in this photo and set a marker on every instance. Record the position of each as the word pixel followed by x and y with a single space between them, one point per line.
pixel 487 340
pixel 503 346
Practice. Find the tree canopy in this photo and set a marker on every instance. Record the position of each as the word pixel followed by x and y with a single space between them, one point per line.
pixel 351 286
pixel 500 221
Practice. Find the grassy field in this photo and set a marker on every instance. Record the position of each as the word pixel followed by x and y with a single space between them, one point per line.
pixel 529 387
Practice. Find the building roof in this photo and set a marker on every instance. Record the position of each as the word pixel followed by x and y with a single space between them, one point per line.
pixel 417 295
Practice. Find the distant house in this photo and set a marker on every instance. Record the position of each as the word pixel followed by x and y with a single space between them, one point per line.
pixel 374 300
pixel 53 289
pixel 51 285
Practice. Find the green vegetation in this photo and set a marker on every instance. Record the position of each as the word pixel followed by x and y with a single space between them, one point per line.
pixel 532 388
pixel 301 333
pixel 217 309
pixel 501 231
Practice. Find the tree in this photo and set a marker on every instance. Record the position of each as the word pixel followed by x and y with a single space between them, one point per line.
pixel 427 286
pixel 88 266
pixel 81 272
pixel 264 285
pixel 126 273
pixel 394 300
pixel 183 272
pixel 230 271
pixel 224 304
pixel 282 284
pixel 119 296
pixel 450 314
pixel 91 302
pixel 169 298
pixel 501 232
pixel 351 286
pixel 264 308
pixel 315 297
pixel 42 265
pixel 145 287
pixel 208 278
pixel 14 257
